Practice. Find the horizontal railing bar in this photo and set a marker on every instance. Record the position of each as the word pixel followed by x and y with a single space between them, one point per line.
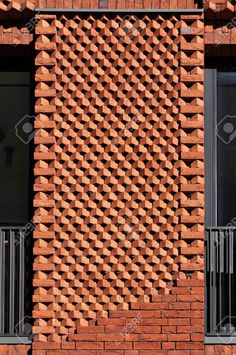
pixel 220 228
pixel 214 339
pixel 12 228
pixel 14 339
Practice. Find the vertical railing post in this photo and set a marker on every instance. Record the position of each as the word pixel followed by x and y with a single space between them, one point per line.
pixel 12 281
pixel 2 280
pixel 21 281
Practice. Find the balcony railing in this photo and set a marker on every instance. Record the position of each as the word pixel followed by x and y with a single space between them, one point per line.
pixel 220 281
pixel 14 284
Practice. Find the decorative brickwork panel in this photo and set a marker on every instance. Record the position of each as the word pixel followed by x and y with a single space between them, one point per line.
pixel 116 162
pixel 120 183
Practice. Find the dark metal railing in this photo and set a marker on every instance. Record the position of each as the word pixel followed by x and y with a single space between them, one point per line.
pixel 220 281
pixel 14 281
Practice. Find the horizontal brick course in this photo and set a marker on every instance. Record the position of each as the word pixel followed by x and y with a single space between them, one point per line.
pixel 28 7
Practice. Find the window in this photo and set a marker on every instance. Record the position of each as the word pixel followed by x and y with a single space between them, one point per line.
pixel 15 225
pixel 220 164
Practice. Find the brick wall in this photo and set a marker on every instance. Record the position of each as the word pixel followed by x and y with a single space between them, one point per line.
pixel 15 349
pixel 119 181
pixel 121 125
pixel 170 324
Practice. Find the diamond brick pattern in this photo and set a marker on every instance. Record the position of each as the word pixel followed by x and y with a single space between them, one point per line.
pixel 116 161
pixel 115 175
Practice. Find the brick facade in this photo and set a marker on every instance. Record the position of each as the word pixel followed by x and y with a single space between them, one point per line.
pixel 119 177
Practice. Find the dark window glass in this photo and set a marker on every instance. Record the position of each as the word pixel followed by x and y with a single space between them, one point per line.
pixel 15 136
pixel 226 148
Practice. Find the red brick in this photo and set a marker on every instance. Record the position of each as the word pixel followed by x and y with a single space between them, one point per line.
pixel 168 298
pixel 68 345
pixel 197 337
pixel 146 329
pixel 182 4
pixel 89 345
pixel 156 4
pixel 120 4
pixel 179 321
pixel 158 305
pixel 209 349
pixel 181 290
pixel 192 314
pixel 179 352
pixel 4 350
pixel 197 291
pixel 83 337
pixel 197 321
pixel 111 321
pixel 178 337
pixel 197 305
pixel 190 282
pixel 189 346
pixel 82 352
pixel 147 345
pixel 169 314
pixel 153 337
pixel 190 329
pixel 165 4
pixel 179 305
pixel 110 329
pixel 190 298
pixel 133 314
pixel 121 345
pixel 154 321
pixel 147 4
pixel 90 329
pixel 168 329
pixel 117 337
pixel 109 352
pixel 42 345
pixel 168 345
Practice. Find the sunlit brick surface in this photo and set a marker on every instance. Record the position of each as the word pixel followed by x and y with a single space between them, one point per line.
pixel 192 146
pixel 17 6
pixel 116 161
pixel 119 170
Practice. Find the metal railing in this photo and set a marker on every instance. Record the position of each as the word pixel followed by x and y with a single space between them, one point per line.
pixel 14 282
pixel 220 281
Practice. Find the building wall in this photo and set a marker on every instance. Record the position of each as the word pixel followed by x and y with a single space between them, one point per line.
pixel 119 185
